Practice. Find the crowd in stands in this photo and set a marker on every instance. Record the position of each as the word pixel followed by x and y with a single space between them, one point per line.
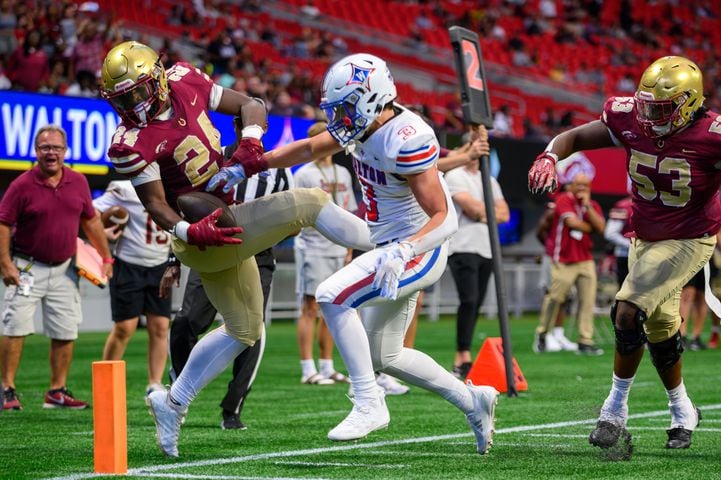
pixel 588 46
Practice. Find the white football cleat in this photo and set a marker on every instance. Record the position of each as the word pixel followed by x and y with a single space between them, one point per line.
pixel 482 419
pixel 390 385
pixel 366 416
pixel 168 419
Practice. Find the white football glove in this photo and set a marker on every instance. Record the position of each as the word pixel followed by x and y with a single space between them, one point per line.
pixel 390 265
pixel 228 177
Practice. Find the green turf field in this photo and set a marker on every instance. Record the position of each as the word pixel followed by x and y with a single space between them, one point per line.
pixel 541 434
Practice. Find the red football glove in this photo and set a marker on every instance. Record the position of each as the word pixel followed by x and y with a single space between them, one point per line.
pixel 249 154
pixel 542 176
pixel 205 233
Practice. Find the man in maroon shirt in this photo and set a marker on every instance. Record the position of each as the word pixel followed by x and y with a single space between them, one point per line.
pixel 672 144
pixel 569 245
pixel 41 212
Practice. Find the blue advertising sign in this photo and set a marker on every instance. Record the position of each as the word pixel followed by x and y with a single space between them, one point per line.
pixel 90 124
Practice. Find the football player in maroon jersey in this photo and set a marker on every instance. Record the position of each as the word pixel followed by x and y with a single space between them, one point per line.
pixel 168 146
pixel 672 143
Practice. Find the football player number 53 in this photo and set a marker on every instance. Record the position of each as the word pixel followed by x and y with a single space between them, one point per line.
pixel 677 168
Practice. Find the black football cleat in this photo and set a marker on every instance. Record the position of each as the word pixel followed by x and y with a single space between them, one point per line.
pixel 680 437
pixel 613 439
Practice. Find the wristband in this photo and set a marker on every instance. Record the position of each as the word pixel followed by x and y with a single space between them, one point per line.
pixel 252 131
pixel 552 155
pixel 108 261
pixel 180 230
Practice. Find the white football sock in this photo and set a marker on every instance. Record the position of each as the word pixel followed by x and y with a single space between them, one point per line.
pixel 326 367
pixel 352 342
pixel 683 413
pixel 417 368
pixel 207 360
pixel 342 227
pixel 307 368
pixel 615 407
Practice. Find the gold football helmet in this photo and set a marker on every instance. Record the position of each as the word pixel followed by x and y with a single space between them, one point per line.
pixel 668 95
pixel 134 82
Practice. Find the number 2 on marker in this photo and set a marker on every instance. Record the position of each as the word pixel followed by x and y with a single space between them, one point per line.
pixel 473 69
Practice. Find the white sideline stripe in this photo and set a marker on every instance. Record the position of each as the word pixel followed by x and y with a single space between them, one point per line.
pixel 146 471
pixel 218 477
pixel 557 435
pixel 340 464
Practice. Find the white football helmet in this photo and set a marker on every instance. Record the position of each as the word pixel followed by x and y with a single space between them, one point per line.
pixel 353 94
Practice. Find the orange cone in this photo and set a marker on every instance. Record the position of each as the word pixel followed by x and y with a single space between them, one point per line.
pixel 489 367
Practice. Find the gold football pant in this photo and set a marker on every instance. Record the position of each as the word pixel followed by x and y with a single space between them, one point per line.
pixel 229 273
pixel 657 271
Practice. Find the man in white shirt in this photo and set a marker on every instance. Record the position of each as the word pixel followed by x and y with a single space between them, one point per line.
pixel 470 253
pixel 317 258
pixel 140 255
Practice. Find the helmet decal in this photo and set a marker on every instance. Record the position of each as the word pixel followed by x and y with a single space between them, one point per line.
pixel 360 76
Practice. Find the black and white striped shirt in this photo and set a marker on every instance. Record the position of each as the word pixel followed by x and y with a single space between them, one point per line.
pixel 276 180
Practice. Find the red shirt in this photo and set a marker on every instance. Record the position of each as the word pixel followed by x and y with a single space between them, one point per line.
pixel 675 180
pixel 186 147
pixel 46 218
pixel 567 245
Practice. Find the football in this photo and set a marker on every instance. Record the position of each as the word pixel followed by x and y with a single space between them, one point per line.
pixel 194 206
pixel 115 216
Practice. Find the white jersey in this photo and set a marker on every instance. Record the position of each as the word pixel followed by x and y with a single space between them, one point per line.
pixel 335 180
pixel 142 242
pixel 404 145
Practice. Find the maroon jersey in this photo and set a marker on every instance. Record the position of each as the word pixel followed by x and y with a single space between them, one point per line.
pixel 186 146
pixel 622 211
pixel 675 181
pixel 566 245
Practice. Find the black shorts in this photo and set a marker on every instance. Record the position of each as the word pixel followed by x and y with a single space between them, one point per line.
pixel 698 281
pixel 134 291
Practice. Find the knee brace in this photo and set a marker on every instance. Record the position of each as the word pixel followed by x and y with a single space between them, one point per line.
pixel 629 340
pixel 664 355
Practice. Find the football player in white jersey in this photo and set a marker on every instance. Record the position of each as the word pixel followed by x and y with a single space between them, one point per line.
pixel 141 253
pixel 410 215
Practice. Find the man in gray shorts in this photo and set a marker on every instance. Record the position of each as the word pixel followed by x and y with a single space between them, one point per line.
pixel 41 213
pixel 316 259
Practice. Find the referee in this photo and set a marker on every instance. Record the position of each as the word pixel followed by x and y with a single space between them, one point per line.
pixel 197 314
